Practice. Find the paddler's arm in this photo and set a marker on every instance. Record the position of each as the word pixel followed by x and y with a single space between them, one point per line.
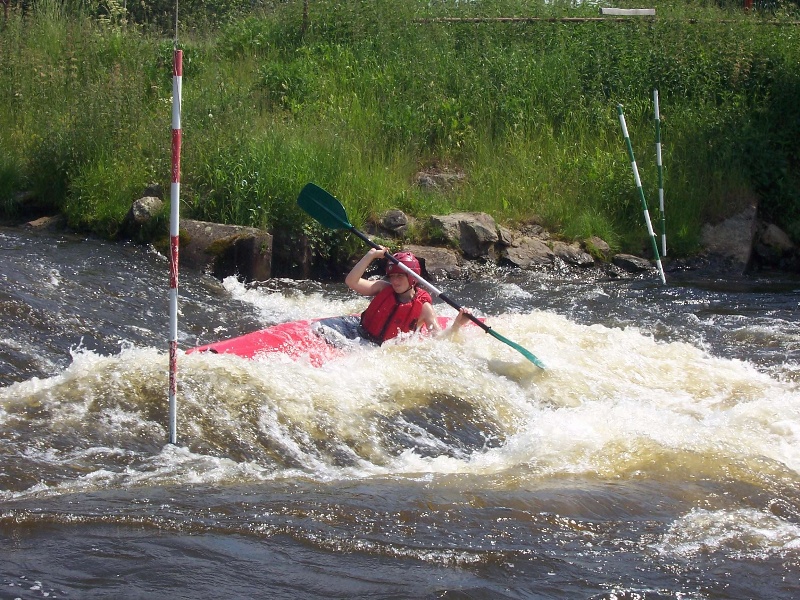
pixel 355 278
pixel 461 318
pixel 428 317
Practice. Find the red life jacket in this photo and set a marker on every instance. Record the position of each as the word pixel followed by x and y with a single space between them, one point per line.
pixel 386 316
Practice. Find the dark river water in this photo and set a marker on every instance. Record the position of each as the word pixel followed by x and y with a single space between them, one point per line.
pixel 657 457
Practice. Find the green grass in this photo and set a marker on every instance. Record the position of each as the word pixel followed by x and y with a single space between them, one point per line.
pixel 368 95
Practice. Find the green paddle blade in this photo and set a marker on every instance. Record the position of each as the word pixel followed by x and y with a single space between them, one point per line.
pixel 323 207
pixel 527 354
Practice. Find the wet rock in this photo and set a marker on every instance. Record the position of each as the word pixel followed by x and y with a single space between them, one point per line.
pixel 527 252
pixel 631 263
pixel 225 250
pixel 572 254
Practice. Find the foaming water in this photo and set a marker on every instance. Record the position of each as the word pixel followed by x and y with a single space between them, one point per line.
pixel 612 403
pixel 656 456
pixel 283 300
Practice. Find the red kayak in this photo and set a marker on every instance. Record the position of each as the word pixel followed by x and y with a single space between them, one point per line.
pixel 319 340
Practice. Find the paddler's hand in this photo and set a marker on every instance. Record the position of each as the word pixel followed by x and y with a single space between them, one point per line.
pixel 462 318
pixel 377 253
pixel 355 278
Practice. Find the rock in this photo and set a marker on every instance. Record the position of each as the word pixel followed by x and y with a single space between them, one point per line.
pixel 53 223
pixel 474 233
pixel 505 235
pixel 434 179
pixel 527 252
pixel 572 254
pixel 144 209
pixel 534 228
pixel 772 243
pixel 394 221
pixel 597 247
pixel 140 220
pixel 437 263
pixel 226 250
pixel 153 189
pixel 732 239
pixel 631 263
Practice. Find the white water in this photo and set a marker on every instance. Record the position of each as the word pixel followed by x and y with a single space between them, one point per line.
pixel 613 402
pixel 657 456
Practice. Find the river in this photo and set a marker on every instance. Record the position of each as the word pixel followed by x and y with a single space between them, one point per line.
pixel 657 457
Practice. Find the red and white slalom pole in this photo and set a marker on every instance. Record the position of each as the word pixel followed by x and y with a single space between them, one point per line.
pixel 174 229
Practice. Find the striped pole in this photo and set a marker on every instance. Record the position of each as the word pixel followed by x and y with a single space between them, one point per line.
pixel 641 192
pixel 660 176
pixel 174 229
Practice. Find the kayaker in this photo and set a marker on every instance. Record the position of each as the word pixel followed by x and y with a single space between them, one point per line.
pixel 398 304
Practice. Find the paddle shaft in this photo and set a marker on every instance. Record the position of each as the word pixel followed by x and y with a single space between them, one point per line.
pixel 435 292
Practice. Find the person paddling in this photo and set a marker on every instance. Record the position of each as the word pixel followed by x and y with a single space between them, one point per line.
pixel 398 304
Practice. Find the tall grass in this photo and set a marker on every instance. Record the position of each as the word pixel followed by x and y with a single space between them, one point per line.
pixel 372 92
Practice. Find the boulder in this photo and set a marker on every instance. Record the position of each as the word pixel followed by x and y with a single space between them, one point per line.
pixel 225 250
pixel 527 252
pixel 475 233
pixel 597 247
pixel 772 243
pixel 49 223
pixel 436 180
pixel 732 239
pixel 144 209
pixel 631 263
pixel 572 254
pixel 394 221
pixel 505 235
pixel 437 263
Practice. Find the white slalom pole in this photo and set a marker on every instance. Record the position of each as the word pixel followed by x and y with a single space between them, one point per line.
pixel 641 192
pixel 174 229
pixel 660 176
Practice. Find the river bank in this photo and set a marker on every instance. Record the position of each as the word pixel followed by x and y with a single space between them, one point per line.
pixel 465 246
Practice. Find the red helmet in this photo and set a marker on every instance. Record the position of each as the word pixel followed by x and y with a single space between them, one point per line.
pixel 407 259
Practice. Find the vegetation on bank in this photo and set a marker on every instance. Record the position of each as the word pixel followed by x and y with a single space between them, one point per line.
pixel 363 94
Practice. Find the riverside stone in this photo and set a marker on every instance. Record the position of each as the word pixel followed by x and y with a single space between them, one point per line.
pixel 572 254
pixel 224 250
pixel 438 263
pixel 732 239
pixel 631 263
pixel 527 252
pixel 474 232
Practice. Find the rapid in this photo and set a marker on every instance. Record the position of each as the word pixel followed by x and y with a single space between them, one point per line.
pixel 657 456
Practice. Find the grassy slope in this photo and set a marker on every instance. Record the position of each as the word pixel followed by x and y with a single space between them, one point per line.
pixel 368 95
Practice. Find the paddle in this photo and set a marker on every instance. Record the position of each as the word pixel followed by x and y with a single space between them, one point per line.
pixel 330 213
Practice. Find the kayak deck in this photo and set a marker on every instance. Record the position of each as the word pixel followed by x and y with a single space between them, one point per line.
pixel 296 339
